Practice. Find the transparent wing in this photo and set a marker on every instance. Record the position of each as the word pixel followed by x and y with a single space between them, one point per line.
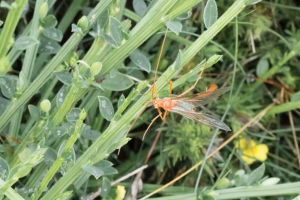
pixel 206 119
pixel 202 98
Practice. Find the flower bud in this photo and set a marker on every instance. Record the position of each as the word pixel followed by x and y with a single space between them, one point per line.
pixel 83 23
pixel 43 10
pixel 82 114
pixel 45 105
pixel 74 59
pixel 270 181
pixel 223 183
pixel 96 68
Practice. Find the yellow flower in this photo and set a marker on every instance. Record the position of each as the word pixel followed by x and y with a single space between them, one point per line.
pixel 120 192
pixel 251 151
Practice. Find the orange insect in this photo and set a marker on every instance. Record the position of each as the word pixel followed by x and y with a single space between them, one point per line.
pixel 186 105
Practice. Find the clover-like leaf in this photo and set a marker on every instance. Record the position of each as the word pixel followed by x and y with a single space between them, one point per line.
pixel 210 14
pixel 139 59
pixel 25 42
pixel 119 82
pixel 106 108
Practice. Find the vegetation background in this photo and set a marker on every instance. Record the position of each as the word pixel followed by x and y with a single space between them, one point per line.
pixel 75 76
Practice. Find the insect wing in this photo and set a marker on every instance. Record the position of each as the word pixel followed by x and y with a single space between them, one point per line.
pixel 206 119
pixel 203 98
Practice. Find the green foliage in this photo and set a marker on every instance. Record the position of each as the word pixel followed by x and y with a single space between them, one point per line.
pixel 185 141
pixel 76 84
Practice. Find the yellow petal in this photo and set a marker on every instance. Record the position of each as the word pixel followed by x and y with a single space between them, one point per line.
pixel 247 159
pixel 248 156
pixel 245 143
pixel 261 151
pixel 120 192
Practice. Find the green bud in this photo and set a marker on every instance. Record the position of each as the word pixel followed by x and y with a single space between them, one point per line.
pixel 5 65
pixel 14 5
pixel 83 23
pixel 24 171
pixel 270 181
pixel 82 114
pixel 74 59
pixel 96 68
pixel 43 10
pixel 223 183
pixel 45 105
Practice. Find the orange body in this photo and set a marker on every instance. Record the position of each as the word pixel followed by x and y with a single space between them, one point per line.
pixel 165 103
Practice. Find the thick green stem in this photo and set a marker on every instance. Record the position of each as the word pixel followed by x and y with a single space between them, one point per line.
pixel 29 60
pixel 58 162
pixel 10 193
pixel 10 25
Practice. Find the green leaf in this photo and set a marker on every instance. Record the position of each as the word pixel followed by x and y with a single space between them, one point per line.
pixel 53 34
pixel 121 100
pixel 59 131
pixel 4 4
pixel 256 174
pixel 270 181
pixel 295 97
pixel 95 171
pixel 110 40
pixel 210 14
pixel 76 29
pixel 178 61
pixel 24 171
pixel 97 85
pixel 102 21
pixel 49 46
pixel 105 188
pixel 103 164
pixel 185 15
pixel 109 171
pixel 25 42
pixel 50 156
pixel 252 2
pixel 174 26
pixel 61 95
pixel 118 83
pixel 3 104
pixel 262 67
pixel 139 59
pixel 34 112
pixel 139 7
pixel 49 21
pixel 116 30
pixel 106 108
pixel 4 169
pixel 73 116
pixel 7 87
pixel 64 77
pixel 1 22
pixel 90 134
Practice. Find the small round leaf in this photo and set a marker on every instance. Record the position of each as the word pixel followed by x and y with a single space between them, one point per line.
pixel 210 14
pixel 106 108
pixel 139 59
